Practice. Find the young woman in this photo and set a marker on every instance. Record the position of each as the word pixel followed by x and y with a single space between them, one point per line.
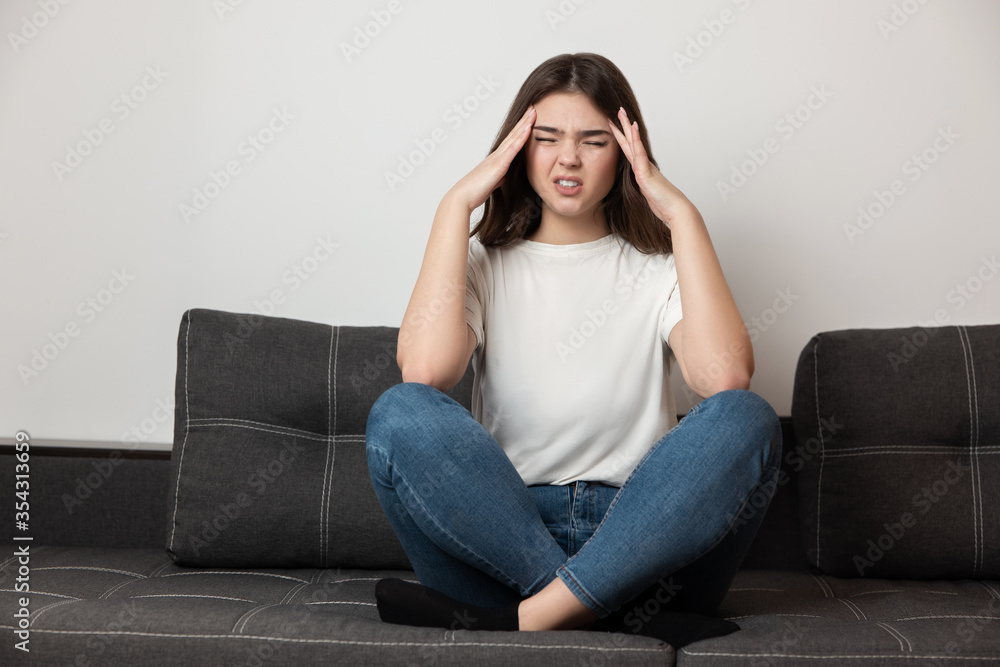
pixel 570 497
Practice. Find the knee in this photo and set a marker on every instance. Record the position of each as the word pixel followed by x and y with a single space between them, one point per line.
pixel 757 422
pixel 405 414
pixel 393 412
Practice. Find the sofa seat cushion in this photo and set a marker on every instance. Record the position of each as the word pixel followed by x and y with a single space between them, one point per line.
pixel 790 618
pixel 108 606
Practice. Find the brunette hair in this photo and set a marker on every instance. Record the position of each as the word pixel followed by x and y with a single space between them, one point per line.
pixel 513 211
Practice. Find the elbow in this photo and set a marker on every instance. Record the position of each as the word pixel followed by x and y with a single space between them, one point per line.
pixel 426 375
pixel 734 378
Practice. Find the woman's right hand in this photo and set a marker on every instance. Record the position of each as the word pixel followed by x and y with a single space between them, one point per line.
pixel 476 186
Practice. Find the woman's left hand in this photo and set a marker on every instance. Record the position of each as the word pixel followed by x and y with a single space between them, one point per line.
pixel 664 199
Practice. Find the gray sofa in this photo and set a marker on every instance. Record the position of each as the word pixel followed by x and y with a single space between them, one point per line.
pixel 258 539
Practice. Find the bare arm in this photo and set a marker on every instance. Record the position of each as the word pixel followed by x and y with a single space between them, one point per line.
pixel 711 343
pixel 435 342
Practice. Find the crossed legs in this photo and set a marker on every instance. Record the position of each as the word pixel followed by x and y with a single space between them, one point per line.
pixel 473 532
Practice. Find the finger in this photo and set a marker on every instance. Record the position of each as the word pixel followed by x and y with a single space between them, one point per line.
pixel 622 140
pixel 518 135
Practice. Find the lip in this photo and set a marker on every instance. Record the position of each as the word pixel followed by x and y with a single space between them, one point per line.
pixel 564 190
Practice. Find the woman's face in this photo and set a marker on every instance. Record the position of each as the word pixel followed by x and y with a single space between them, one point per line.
pixel 571 156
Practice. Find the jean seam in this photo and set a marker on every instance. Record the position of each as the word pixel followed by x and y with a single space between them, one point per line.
pixel 694 410
pixel 581 593
pixel 614 501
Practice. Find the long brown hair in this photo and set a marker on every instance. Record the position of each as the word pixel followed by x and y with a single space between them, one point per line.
pixel 513 211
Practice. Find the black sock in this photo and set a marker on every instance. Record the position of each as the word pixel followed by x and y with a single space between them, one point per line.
pixel 407 603
pixel 674 627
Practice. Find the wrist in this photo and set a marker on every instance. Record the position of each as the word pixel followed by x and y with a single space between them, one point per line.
pixel 681 214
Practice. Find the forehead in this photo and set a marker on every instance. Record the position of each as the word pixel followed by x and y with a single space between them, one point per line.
pixel 568 110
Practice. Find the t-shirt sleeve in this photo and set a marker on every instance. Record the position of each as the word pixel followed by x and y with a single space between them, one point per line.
pixel 476 290
pixel 672 314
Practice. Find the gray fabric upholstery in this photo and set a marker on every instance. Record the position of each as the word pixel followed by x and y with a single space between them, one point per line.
pixel 794 618
pixel 110 605
pixel 900 438
pixel 269 454
pixel 137 607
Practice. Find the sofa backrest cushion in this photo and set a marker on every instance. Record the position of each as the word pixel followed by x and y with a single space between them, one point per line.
pixel 268 465
pixel 898 431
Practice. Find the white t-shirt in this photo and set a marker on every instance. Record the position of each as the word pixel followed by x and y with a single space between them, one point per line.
pixel 572 367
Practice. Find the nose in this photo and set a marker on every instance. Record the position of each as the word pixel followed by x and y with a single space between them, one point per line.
pixel 568 155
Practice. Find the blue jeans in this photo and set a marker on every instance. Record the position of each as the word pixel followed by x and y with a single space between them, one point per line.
pixel 671 537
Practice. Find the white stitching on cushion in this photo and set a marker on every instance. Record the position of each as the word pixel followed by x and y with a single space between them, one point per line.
pixel 855 609
pixel 90 567
pixel 827 591
pixel 258 574
pixel 973 439
pixel 279 430
pixel 920 618
pixel 290 595
pixel 848 656
pixel 951 452
pixel 899 636
pixel 305 640
pixel 190 595
pixel 114 589
pixel 34 616
pixel 241 622
pixel 886 590
pixel 224 421
pixel 187 429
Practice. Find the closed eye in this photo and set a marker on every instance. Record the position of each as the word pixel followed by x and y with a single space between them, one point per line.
pixel 589 143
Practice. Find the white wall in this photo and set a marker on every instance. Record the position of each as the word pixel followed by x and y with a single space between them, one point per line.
pixel 222 76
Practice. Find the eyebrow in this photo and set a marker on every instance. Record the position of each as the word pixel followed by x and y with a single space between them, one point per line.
pixel 582 133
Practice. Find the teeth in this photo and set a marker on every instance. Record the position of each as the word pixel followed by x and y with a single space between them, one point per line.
pixel 568 184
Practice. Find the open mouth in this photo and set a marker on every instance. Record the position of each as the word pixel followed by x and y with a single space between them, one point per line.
pixel 568 186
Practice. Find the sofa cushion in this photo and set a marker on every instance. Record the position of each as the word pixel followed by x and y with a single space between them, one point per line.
pixel 268 464
pixel 898 439
pixel 797 618
pixel 135 607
